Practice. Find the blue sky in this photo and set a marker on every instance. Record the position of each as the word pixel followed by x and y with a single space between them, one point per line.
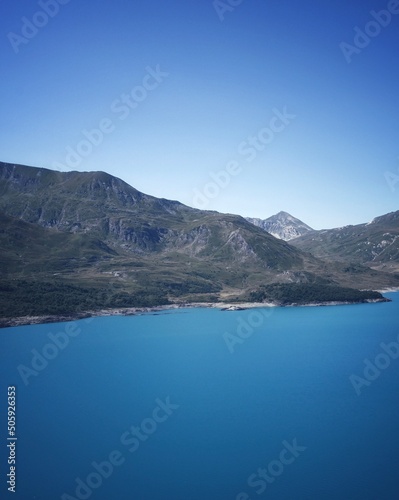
pixel 222 83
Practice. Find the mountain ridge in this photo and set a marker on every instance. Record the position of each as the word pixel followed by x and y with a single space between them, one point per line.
pixel 94 232
pixel 375 243
pixel 110 209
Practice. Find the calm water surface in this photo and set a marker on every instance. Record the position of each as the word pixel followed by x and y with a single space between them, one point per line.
pixel 201 404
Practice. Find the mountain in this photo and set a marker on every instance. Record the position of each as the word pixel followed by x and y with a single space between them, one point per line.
pixel 282 225
pixel 375 244
pixel 79 241
pixel 131 222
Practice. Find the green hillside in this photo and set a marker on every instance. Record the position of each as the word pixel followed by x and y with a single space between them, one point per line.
pixel 375 244
pixel 73 241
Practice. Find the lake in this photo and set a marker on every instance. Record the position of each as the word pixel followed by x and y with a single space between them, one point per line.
pixel 195 404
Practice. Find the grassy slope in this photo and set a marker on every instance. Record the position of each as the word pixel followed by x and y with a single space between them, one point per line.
pixel 92 240
pixel 372 244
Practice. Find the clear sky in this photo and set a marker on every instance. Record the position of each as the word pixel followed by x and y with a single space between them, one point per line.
pixel 185 92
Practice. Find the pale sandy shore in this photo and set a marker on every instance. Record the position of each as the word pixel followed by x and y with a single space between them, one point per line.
pixel 388 290
pixel 131 311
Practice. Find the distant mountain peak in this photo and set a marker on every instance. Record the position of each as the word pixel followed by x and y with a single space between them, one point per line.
pixel 123 248
pixel 282 225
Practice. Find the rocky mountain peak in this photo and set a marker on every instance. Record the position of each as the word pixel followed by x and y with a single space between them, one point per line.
pixel 282 225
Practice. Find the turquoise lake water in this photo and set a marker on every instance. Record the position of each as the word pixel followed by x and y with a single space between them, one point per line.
pixel 201 404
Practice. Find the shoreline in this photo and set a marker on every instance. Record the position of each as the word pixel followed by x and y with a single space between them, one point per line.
pixel 388 290
pixel 126 311
pixel 135 311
